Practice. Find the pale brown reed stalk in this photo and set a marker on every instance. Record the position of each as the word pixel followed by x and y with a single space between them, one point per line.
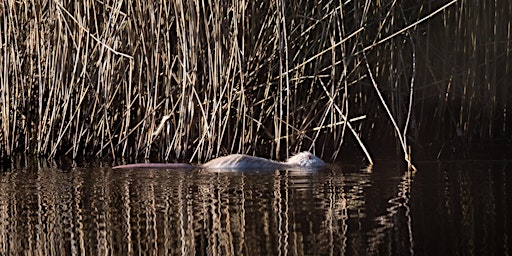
pixel 197 79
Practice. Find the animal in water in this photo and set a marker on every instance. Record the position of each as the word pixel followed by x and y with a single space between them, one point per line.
pixel 239 161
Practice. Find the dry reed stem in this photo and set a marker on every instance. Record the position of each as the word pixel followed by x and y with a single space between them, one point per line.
pixel 194 80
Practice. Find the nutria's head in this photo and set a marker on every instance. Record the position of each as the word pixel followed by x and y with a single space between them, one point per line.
pixel 305 159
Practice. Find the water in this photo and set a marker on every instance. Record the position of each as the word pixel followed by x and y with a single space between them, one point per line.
pixel 457 208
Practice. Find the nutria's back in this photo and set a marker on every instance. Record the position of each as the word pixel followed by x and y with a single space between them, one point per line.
pixel 239 161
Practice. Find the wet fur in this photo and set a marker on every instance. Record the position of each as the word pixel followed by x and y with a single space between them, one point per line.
pixel 239 161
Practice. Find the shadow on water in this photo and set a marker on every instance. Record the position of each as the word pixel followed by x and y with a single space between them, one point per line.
pixel 452 208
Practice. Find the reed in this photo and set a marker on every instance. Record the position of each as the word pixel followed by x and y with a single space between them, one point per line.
pixel 192 80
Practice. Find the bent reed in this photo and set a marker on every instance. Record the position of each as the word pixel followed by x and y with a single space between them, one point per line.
pixel 192 80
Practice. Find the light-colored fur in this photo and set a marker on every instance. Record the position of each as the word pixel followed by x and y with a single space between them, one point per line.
pixel 238 161
pixel 305 159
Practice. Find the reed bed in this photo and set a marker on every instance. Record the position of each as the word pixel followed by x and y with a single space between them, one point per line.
pixel 192 80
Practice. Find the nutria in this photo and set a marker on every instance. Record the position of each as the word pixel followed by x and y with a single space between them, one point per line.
pixel 239 161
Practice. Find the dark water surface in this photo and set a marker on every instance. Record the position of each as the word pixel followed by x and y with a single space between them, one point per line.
pixel 457 208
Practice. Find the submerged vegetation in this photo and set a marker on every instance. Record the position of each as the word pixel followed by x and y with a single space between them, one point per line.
pixel 192 79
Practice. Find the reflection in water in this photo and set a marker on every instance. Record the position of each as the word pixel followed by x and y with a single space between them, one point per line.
pixel 464 208
pixel 447 209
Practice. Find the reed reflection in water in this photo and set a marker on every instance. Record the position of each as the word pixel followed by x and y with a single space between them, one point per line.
pixel 345 211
